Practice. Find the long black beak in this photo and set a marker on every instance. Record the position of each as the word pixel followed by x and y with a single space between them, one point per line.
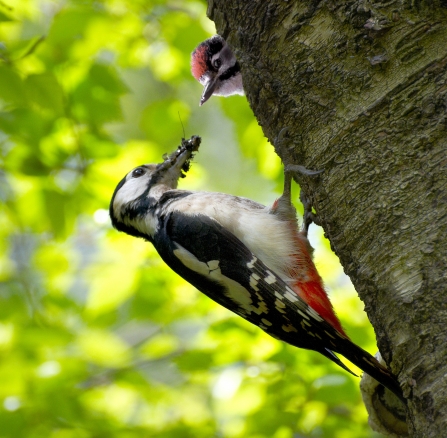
pixel 208 90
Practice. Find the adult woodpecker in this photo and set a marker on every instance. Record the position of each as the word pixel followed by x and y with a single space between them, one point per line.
pixel 216 68
pixel 249 258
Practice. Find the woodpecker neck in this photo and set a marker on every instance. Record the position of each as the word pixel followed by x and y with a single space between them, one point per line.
pixel 230 82
pixel 142 218
pixel 137 217
pixel 142 215
pixel 157 191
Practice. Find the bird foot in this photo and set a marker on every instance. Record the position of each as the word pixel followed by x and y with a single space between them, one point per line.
pixel 309 216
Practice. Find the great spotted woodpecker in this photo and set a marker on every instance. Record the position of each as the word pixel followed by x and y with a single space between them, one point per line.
pixel 216 68
pixel 249 258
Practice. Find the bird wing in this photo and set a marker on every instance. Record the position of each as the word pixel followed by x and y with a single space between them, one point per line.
pixel 217 263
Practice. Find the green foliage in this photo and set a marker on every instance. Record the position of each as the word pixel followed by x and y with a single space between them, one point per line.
pixel 98 338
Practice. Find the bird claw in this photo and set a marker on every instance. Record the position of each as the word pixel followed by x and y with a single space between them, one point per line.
pixel 290 169
pixel 309 216
pixel 296 168
pixel 280 137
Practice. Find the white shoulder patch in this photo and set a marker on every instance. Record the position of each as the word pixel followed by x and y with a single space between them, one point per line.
pixel 252 223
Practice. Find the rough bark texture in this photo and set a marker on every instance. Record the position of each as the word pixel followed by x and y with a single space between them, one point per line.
pixel 362 87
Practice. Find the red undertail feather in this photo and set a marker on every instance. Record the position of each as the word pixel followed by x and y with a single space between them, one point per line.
pixel 313 293
pixel 309 287
pixel 307 283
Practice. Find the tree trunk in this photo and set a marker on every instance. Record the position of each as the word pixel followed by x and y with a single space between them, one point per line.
pixel 362 88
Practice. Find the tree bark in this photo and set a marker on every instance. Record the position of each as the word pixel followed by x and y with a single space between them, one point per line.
pixel 362 88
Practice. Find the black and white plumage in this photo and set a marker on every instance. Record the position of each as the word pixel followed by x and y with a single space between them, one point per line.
pixel 216 68
pixel 231 249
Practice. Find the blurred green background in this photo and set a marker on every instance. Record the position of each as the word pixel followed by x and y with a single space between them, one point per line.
pixel 98 338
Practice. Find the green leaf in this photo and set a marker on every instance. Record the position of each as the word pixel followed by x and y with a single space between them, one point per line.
pixel 195 360
pixel 11 86
pixel 26 126
pixel 59 212
pixel 45 92
pixel 68 26
pixel 106 77
pixel 97 98
pixel 4 17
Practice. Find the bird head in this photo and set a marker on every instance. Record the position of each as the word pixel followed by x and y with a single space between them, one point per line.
pixel 216 68
pixel 138 193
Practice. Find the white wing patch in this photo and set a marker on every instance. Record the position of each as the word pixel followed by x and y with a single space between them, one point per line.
pixel 314 314
pixel 213 264
pixel 251 263
pixel 290 296
pixel 280 306
pixel 302 314
pixel 289 328
pixel 270 279
pixel 233 290
pixel 329 334
pixel 254 281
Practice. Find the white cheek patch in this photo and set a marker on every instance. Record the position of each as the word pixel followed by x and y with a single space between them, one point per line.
pixel 132 189
pixel 233 290
pixel 213 265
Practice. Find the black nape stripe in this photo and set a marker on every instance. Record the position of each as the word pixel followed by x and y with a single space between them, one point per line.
pixel 232 71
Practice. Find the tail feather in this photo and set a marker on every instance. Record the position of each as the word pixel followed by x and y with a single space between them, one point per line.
pixel 370 365
pixel 334 358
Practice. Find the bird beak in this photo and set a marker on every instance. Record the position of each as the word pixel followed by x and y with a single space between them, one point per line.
pixel 177 164
pixel 185 151
pixel 208 90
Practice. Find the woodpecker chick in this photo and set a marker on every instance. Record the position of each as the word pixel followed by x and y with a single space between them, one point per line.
pixel 249 258
pixel 216 68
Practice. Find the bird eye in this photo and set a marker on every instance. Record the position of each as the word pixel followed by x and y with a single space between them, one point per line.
pixel 217 63
pixel 139 171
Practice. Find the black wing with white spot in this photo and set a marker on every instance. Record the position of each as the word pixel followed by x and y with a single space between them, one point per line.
pixel 218 264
